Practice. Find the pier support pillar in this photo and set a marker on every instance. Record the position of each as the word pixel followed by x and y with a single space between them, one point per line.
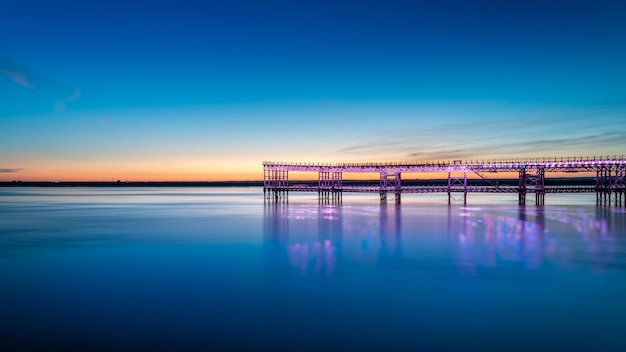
pixel 538 184
pixel 275 182
pixel 323 181
pixel 331 181
pixel 449 190
pixel 521 190
pixel 457 184
pixel 603 186
pixel 532 181
pixel 464 187
pixel 326 197
pixel 390 181
pixel 619 184
pixel 611 186
pixel 337 181
pixel 397 191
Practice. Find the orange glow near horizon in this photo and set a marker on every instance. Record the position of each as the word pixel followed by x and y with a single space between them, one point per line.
pixel 139 171
pixel 250 176
pixel 131 176
pixel 196 170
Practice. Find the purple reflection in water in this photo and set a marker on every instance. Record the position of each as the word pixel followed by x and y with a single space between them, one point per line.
pixel 312 258
pixel 498 238
pixel 481 237
pixel 563 236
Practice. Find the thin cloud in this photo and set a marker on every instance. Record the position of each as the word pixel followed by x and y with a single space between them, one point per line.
pixel 18 77
pixel 591 143
pixel 544 131
pixel 10 170
pixel 425 147
pixel 61 105
pixel 370 148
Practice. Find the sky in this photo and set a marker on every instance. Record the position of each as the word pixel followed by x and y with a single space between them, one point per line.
pixel 208 90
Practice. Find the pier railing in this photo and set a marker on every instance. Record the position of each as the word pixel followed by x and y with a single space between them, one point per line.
pixel 593 160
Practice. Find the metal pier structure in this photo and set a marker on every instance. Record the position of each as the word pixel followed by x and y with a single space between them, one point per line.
pixel 610 172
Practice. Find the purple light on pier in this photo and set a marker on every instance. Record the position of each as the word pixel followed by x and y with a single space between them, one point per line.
pixel 610 185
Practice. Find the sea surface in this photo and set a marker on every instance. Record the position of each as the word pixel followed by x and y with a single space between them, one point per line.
pixel 214 269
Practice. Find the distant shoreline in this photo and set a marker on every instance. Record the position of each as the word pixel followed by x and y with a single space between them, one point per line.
pixel 408 182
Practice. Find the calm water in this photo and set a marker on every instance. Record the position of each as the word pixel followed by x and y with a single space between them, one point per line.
pixel 220 269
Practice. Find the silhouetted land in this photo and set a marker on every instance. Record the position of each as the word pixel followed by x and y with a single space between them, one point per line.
pixel 408 182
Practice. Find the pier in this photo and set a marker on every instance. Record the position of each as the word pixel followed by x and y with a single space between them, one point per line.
pixel 609 187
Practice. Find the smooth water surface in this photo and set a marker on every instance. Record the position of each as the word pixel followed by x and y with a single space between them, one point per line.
pixel 222 269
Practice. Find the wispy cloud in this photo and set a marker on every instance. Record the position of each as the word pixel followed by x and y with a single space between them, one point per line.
pixel 375 147
pixel 548 133
pixel 9 170
pixel 47 92
pixel 61 104
pixel 18 77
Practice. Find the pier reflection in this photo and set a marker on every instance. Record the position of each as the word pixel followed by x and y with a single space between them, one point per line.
pixel 301 235
pixel 493 239
pixel 539 236
pixel 323 239
pixel 312 237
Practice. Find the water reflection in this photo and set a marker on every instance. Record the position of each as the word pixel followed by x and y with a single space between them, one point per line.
pixel 313 235
pixel 303 235
pixel 323 238
pixel 538 236
pixel 491 239
pixel 313 257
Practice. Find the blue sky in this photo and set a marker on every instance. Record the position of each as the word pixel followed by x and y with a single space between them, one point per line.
pixel 191 90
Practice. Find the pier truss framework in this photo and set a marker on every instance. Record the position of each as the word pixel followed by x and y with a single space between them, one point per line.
pixel 609 188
